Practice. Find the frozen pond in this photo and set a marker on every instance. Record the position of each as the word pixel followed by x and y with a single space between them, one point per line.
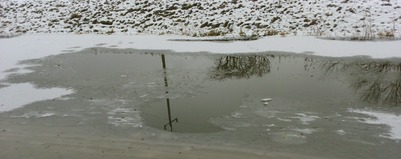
pixel 319 106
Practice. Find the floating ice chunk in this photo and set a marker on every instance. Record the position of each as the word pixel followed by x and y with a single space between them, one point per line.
pixel 119 111
pixel 36 115
pixel 229 128
pixel 265 103
pixel 281 119
pixel 236 115
pixel 266 100
pixel 124 76
pixel 125 117
pixel 270 125
pixel 305 131
pixel 151 84
pixel 305 118
pixel 340 132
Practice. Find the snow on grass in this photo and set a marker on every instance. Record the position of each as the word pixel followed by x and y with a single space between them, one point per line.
pixel 334 18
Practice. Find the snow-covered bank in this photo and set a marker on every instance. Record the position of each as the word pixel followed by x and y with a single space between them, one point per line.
pixel 25 47
pixel 334 18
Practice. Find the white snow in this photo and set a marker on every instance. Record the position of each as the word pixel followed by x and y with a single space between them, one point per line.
pixel 334 18
pixel 305 118
pixel 15 96
pixel 266 100
pixel 305 131
pixel 282 119
pixel 391 120
pixel 36 114
pixel 340 132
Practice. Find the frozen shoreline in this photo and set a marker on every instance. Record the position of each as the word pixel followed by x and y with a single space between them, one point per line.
pixel 14 50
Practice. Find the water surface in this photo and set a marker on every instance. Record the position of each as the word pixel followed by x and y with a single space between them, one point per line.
pixel 319 105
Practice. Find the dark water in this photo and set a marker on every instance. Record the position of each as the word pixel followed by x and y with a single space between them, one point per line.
pixel 216 99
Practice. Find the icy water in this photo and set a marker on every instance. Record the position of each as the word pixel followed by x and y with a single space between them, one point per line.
pixel 321 107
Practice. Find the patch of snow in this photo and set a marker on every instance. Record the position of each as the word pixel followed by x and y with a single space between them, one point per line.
pixel 16 96
pixel 135 121
pixel 236 115
pixel 286 120
pixel 305 118
pixel 228 128
pixel 125 117
pixel 266 99
pixel 305 131
pixel 340 132
pixel 391 120
pixel 269 125
pixel 36 114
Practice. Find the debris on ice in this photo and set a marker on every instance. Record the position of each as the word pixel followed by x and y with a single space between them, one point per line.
pixel 266 100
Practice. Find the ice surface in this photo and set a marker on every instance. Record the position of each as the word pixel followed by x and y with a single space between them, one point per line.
pixel 36 114
pixel 391 120
pixel 290 138
pixel 305 131
pixel 17 95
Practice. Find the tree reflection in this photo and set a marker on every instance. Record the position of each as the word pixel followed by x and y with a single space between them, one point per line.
pixel 376 81
pixel 245 66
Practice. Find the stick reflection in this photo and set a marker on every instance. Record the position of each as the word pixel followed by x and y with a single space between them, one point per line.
pixel 170 120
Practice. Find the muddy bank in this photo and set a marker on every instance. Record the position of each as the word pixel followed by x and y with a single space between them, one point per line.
pixel 33 142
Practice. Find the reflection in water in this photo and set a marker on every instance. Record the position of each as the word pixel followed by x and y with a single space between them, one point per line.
pixel 378 82
pixel 170 121
pixel 304 111
pixel 244 66
pixel 375 81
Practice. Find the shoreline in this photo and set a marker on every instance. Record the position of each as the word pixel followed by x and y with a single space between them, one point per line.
pixel 49 145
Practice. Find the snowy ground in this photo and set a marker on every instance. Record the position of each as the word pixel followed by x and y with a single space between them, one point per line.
pixel 329 18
